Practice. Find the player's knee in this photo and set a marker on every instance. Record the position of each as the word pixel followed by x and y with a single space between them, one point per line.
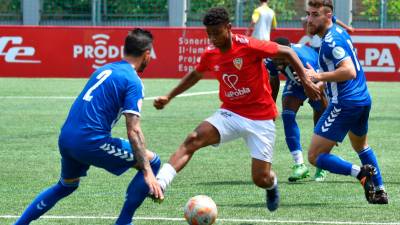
pixel 67 186
pixel 193 142
pixel 312 157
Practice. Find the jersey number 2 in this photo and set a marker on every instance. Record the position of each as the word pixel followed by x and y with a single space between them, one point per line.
pixel 101 77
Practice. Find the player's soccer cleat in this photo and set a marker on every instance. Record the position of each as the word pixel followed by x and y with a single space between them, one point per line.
pixel 300 171
pixel 320 175
pixel 380 197
pixel 273 199
pixel 365 177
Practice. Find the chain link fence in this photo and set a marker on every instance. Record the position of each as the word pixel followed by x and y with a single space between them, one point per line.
pixel 10 12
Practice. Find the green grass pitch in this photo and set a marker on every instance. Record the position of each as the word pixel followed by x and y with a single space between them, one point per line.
pixel 30 162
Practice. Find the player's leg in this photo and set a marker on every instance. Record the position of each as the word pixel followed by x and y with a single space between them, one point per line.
pixel 292 98
pixel 260 139
pixel 68 183
pixel 358 139
pixel 218 128
pixel 332 127
pixel 318 108
pixel 137 189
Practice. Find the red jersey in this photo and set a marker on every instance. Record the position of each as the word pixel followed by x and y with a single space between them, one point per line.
pixel 243 79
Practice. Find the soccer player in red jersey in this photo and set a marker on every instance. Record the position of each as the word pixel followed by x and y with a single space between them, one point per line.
pixel 247 111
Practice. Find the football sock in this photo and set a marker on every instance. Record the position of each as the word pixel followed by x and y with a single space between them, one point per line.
pixel 136 193
pixel 292 134
pixel 297 157
pixel 334 164
pixel 46 200
pixel 367 156
pixel 275 183
pixel 166 175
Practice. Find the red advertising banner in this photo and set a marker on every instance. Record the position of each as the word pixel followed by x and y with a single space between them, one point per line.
pixel 45 51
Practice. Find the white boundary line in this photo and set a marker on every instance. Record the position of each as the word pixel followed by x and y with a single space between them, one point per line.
pixel 222 220
pixel 70 97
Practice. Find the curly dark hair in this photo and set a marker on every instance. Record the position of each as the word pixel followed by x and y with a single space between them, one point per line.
pixel 216 16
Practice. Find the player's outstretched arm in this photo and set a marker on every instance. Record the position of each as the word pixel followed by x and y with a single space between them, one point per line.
pixel 136 138
pixel 345 71
pixel 310 88
pixel 349 29
pixel 187 82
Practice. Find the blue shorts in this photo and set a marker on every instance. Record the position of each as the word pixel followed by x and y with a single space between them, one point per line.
pixel 113 154
pixel 338 120
pixel 296 90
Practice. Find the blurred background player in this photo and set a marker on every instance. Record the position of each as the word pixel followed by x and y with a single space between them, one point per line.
pixel 293 97
pixel 85 138
pixel 247 109
pixel 314 41
pixel 263 21
pixel 349 106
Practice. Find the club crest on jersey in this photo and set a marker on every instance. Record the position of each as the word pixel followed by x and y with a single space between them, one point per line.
pixel 238 63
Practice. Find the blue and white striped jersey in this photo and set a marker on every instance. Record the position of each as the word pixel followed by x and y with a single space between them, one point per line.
pixel 112 90
pixel 336 47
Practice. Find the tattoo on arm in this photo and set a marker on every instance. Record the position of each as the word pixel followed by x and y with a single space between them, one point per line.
pixel 137 141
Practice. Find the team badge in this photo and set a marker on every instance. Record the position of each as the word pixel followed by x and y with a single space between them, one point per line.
pixel 238 63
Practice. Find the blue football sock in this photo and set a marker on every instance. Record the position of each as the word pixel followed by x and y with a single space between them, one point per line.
pixel 334 164
pixel 367 156
pixel 136 193
pixel 292 131
pixel 45 201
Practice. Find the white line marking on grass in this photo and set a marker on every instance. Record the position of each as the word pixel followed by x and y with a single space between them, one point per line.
pixel 222 220
pixel 71 97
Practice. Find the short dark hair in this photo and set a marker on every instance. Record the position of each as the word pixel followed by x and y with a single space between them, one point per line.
pixel 321 3
pixel 216 16
pixel 137 42
pixel 263 0
pixel 282 41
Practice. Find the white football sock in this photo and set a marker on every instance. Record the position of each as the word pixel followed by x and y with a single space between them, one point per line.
pixel 166 175
pixel 355 170
pixel 297 157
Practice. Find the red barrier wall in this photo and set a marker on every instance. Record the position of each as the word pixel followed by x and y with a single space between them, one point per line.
pixel 45 51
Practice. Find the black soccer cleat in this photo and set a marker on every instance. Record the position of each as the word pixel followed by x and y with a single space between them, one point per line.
pixel 273 199
pixel 365 177
pixel 380 197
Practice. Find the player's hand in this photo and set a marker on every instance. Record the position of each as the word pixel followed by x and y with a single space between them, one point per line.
pixel 154 186
pixel 350 30
pixel 312 74
pixel 160 102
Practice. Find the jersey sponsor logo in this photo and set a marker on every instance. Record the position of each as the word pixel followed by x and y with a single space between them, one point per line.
pixel 338 52
pixel 238 63
pixel 101 51
pixel 242 40
pixel 15 53
pixel 231 80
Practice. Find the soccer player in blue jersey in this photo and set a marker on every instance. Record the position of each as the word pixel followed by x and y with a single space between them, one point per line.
pixel 349 106
pixel 86 140
pixel 292 98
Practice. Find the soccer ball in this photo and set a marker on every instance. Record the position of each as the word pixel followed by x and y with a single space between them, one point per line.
pixel 200 210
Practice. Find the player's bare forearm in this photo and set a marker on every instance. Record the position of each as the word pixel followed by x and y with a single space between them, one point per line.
pixel 345 71
pixel 137 141
pixel 187 82
pixel 311 89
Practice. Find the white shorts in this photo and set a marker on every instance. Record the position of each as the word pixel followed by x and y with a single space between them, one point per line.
pixel 259 135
